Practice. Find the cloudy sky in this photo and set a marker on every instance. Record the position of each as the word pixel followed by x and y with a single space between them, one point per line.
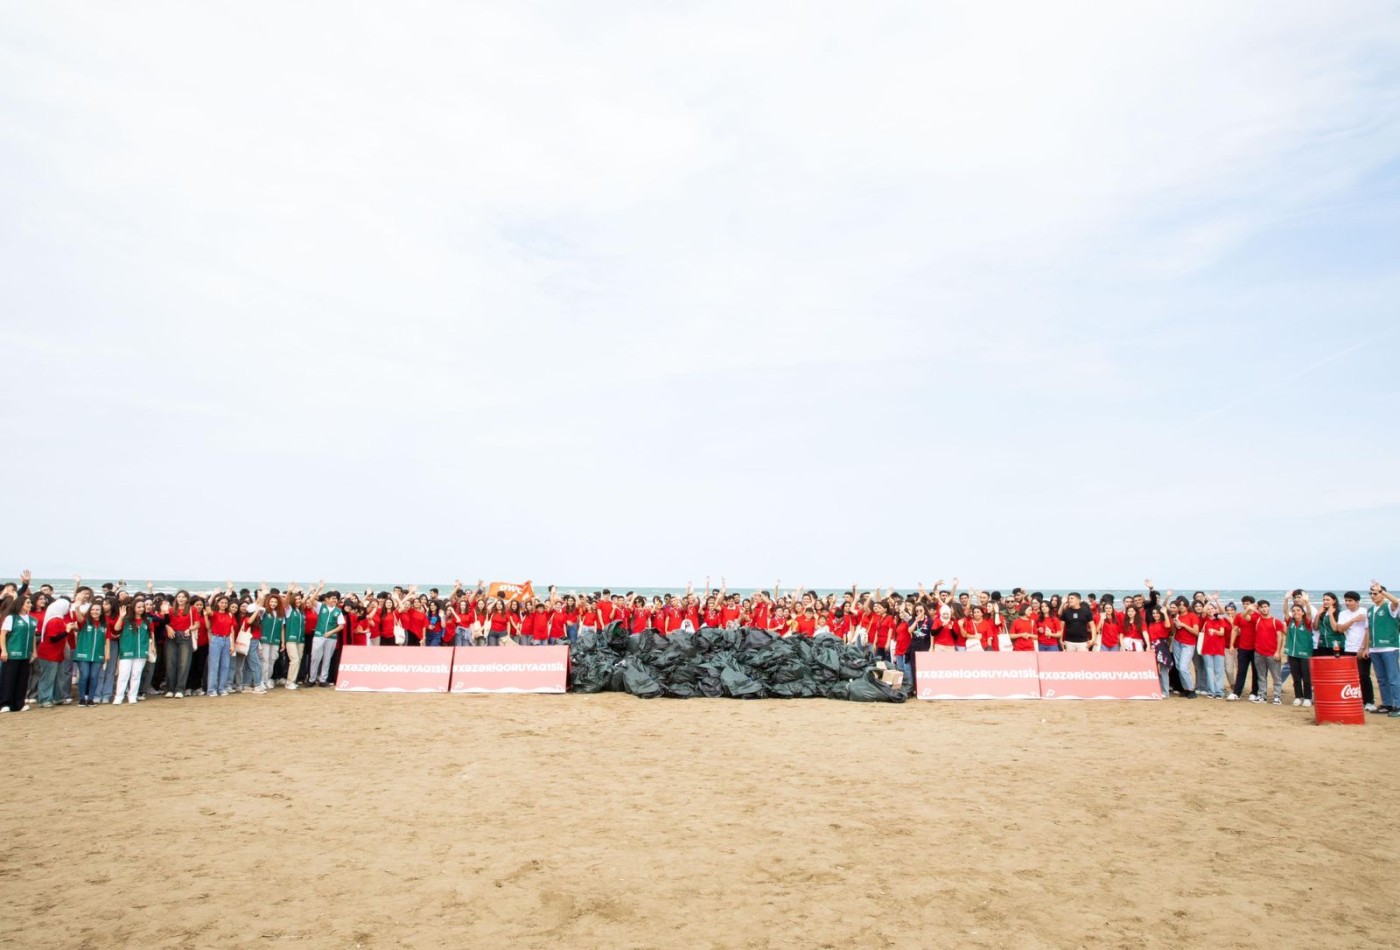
pixel 638 292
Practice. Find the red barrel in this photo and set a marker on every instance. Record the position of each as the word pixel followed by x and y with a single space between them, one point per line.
pixel 1336 689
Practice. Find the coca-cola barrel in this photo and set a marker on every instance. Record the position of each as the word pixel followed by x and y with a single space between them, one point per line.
pixel 1336 689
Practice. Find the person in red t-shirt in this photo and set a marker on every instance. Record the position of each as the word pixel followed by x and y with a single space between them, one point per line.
pixel 1186 630
pixel 1023 632
pixel 1133 634
pixel 1110 633
pixel 1243 644
pixel 1215 631
pixel 641 616
pixel 1268 653
pixel 1159 635
pixel 1049 629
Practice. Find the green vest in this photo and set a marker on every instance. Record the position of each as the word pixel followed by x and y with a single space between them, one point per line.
pixel 327 619
pixel 1299 641
pixel 1328 638
pixel 20 642
pixel 1385 630
pixel 92 642
pixel 135 641
pixel 296 626
pixel 272 626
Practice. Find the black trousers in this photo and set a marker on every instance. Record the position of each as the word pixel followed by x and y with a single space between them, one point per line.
pixel 1300 668
pixel 1245 666
pixel 14 683
pixel 1368 689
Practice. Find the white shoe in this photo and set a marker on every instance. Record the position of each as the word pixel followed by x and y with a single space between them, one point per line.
pixel 1232 698
pixel 258 690
pixel 1278 700
pixel 1307 702
pixel 1370 707
pixel 1255 699
pixel 1297 702
pixel 178 695
pixel 117 701
pixel 4 709
pixel 140 699
pixel 169 695
pixel 290 686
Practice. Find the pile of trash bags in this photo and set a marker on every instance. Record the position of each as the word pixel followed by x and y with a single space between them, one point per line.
pixel 742 663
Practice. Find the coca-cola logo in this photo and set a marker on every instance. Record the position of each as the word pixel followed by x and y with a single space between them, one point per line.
pixel 1351 692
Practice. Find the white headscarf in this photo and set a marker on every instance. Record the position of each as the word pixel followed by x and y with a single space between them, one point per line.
pixel 59 608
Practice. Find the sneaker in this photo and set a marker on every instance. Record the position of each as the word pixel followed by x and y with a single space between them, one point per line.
pixel 68 701
pixel 1394 714
pixel 179 695
pixel 141 698
pixel 1370 707
pixel 4 709
pixel 169 694
pixel 258 690
pixel 1307 702
pixel 1232 698
pixel 117 701
pixel 1278 700
pixel 1383 709
pixel 1255 699
pixel 1297 702
pixel 290 686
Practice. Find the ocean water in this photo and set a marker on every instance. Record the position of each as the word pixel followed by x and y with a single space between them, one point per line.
pixel 63 585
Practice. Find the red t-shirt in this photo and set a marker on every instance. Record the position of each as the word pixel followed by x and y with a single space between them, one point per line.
pixel 879 627
pixel 1188 619
pixel 1110 634
pixel 180 622
pixel 359 630
pixel 54 639
pixel 1047 630
pixel 1157 630
pixel 807 626
pixel 221 625
pixel 1245 625
pixel 712 618
pixel 1022 625
pixel 987 633
pixel 1216 630
pixel 538 627
pixel 498 622
pixel 641 620
pixel 840 626
pixel 413 621
pixel 607 610
pixel 728 613
pixel 761 613
pixel 1266 636
pixel 558 620
pixel 589 618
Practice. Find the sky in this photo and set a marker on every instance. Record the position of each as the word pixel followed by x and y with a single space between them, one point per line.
pixel 640 293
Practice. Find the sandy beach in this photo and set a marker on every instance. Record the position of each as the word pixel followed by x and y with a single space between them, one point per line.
pixel 322 819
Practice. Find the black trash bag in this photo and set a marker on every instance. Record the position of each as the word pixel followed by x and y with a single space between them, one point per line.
pixel 826 658
pixel 648 641
pixel 754 638
pixel 592 673
pixel 585 642
pixel 684 642
pixel 855 661
pixel 637 679
pixel 738 684
pixel 797 689
pixel 731 639
pixel 871 689
pixel 681 690
pixel 614 637
pixel 709 639
pixel 618 681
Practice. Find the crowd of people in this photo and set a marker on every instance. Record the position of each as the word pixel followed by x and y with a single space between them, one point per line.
pixel 116 645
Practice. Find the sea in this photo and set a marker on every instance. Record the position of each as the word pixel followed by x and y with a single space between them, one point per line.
pixel 65 585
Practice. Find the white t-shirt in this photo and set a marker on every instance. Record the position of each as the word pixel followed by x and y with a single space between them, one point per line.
pixel 1357 631
pixel 9 623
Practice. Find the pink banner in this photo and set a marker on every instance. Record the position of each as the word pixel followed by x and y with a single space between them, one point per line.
pixel 510 669
pixel 394 669
pixel 986 675
pixel 1099 676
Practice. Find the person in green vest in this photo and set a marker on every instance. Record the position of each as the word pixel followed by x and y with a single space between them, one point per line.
pixel 90 652
pixel 1383 642
pixel 1330 641
pixel 18 638
pixel 330 622
pixel 135 645
pixel 272 623
pixel 1298 647
pixel 295 632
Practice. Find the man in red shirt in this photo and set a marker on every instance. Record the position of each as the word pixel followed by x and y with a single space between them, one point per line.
pixel 1268 654
pixel 1242 642
pixel 1186 631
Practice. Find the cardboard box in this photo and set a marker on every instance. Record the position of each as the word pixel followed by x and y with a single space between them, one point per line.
pixel 894 678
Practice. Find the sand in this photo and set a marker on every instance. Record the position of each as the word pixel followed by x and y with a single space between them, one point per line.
pixel 321 819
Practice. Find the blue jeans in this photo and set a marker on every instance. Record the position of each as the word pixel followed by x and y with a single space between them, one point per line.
pixel 571 632
pixel 494 639
pixel 1387 667
pixel 50 672
pixel 1052 648
pixel 1214 674
pixel 220 664
pixel 435 639
pixel 1104 649
pixel 107 683
pixel 1184 655
pixel 89 675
